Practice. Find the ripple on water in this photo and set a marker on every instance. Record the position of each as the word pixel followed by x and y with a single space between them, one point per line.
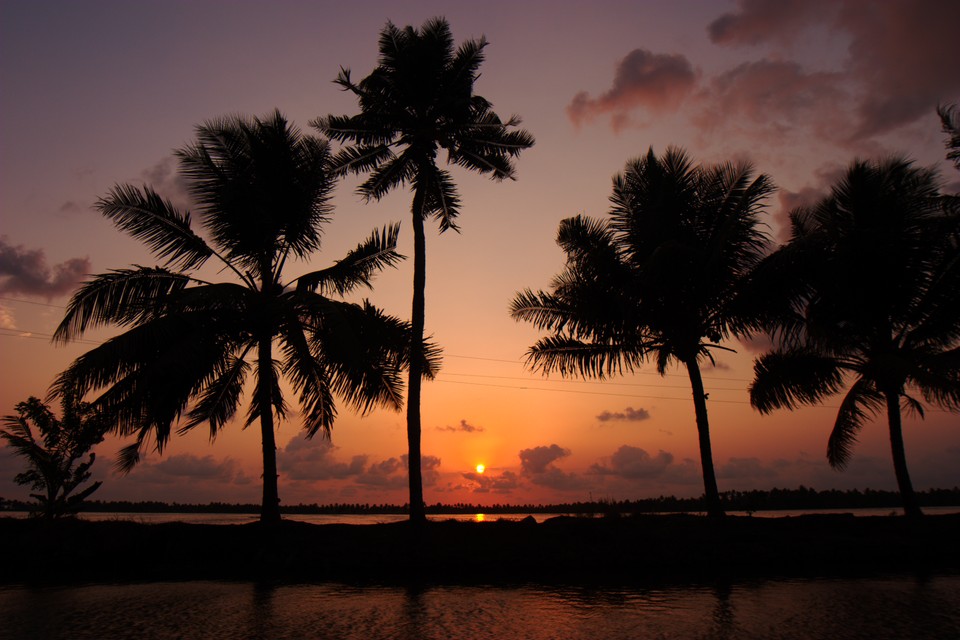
pixel 875 609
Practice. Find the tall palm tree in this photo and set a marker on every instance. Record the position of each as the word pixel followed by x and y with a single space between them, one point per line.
pixel 263 194
pixel 418 101
pixel 657 280
pixel 873 271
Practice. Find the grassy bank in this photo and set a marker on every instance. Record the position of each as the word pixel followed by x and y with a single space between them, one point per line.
pixel 636 549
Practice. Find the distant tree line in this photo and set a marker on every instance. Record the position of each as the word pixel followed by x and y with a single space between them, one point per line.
pixel 754 500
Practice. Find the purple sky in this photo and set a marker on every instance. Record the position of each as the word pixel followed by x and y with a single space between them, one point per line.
pixel 94 93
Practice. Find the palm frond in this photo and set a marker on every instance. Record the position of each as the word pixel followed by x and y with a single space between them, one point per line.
pixel 861 399
pixel 788 378
pixel 146 216
pixel 571 357
pixel 358 267
pixel 123 297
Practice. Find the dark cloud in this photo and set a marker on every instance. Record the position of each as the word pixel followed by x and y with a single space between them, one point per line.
pixel 758 21
pixel 313 459
pixel 775 99
pixel 464 426
pixel 493 483
pixel 653 81
pixel 902 55
pixel 186 467
pixel 629 414
pixel 537 459
pixel 392 472
pixel 633 463
pixel 537 465
pixel 25 271
pixel 746 469
pixel 164 179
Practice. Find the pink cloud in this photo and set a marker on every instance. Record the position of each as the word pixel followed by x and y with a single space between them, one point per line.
pixel 654 81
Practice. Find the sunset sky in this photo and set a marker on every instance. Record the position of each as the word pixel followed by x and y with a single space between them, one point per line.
pixel 95 93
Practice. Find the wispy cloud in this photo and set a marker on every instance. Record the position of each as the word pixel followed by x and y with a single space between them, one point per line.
pixel 629 415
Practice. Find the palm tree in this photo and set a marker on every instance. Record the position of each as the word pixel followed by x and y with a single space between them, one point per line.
pixel 262 190
pixel 418 101
pixel 874 275
pixel 657 280
pixel 52 447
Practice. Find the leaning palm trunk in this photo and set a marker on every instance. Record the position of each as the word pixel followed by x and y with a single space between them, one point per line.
pixel 911 508
pixel 710 492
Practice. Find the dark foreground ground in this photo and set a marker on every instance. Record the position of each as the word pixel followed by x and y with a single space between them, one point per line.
pixel 661 548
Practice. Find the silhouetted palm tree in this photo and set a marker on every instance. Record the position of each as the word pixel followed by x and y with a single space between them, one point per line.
pixel 417 102
pixel 658 280
pixel 262 190
pixel 874 274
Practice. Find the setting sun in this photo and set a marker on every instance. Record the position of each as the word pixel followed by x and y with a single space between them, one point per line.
pixel 480 468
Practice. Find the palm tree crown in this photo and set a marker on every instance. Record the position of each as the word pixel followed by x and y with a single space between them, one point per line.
pixel 418 101
pixel 872 275
pixel 263 195
pixel 657 280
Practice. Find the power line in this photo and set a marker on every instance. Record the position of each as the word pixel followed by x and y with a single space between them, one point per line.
pixel 590 382
pixel 39 304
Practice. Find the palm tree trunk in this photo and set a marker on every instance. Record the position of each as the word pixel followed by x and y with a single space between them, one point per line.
pixel 710 492
pixel 911 508
pixel 417 320
pixel 270 506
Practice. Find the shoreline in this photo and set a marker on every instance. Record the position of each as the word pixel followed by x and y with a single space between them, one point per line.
pixel 563 550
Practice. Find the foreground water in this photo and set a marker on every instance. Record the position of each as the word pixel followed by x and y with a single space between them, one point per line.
pixel 875 609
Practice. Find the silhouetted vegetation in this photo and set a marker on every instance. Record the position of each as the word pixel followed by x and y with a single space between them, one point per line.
pixel 262 190
pixel 52 449
pixel 657 281
pixel 562 550
pixel 870 282
pixel 417 102
pixel 801 498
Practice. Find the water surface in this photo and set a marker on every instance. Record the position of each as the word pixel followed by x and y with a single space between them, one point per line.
pixel 875 609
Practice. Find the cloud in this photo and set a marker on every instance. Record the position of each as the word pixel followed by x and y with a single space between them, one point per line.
pixel 164 179
pixel 537 465
pixel 463 426
pixel 7 321
pixel 537 459
pixel 492 483
pixel 25 271
pixel 901 56
pixel 774 99
pixel 629 414
pixel 186 467
pixel 758 21
pixel 634 463
pixel 313 459
pixel 654 81
pixel 746 469
pixel 392 472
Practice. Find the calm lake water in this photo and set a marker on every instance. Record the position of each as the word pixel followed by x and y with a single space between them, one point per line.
pixel 875 609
